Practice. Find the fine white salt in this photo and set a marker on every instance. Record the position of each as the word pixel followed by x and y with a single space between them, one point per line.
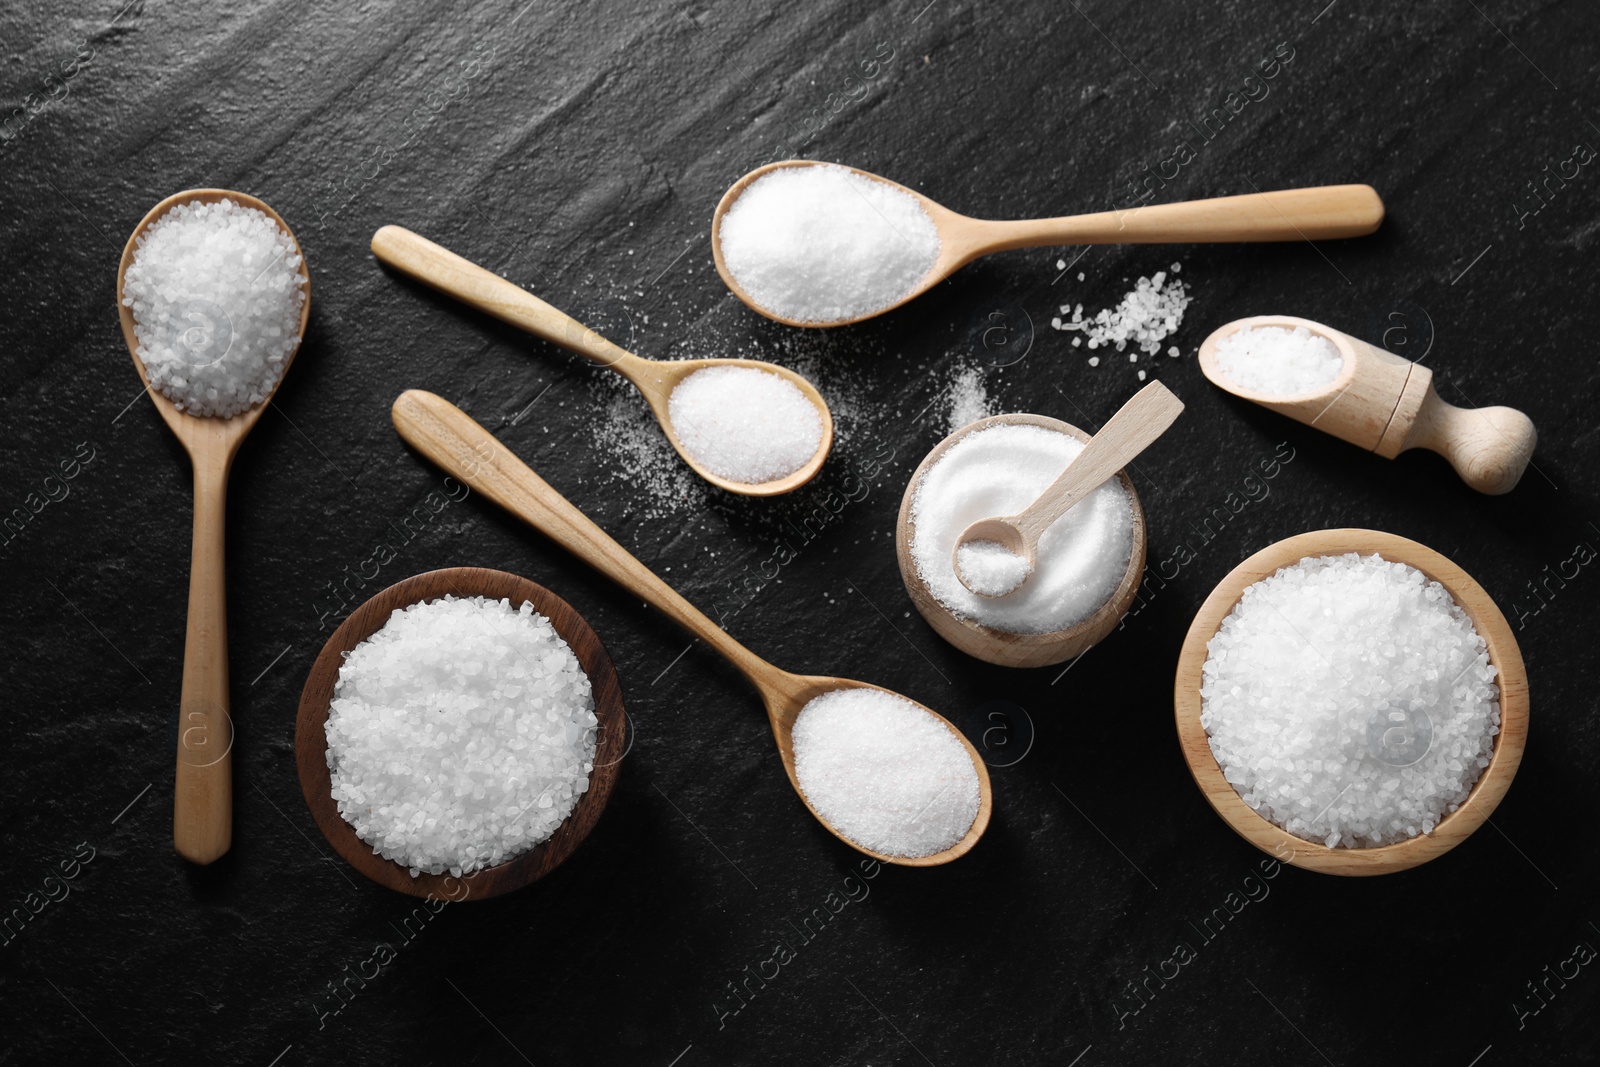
pixel 1000 471
pixel 1278 361
pixel 990 568
pixel 460 734
pixel 1350 701
pixel 968 400
pixel 823 244
pixel 1148 314
pixel 747 425
pixel 884 772
pixel 216 292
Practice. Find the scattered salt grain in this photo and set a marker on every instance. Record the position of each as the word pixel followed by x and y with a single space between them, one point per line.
pixel 968 400
pixel 1147 315
pixel 747 425
pixel 460 734
pixel 990 568
pixel 216 293
pixel 884 772
pixel 1000 471
pixel 1350 700
pixel 825 244
pixel 1277 361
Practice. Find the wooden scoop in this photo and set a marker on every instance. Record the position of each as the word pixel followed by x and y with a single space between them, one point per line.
pixel 1386 404
pixel 449 273
pixel 202 825
pixel 1129 432
pixel 1319 213
pixel 450 438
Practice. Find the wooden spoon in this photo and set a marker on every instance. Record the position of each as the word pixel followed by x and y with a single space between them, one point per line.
pixel 1320 213
pixel 202 825
pixel 1129 432
pixel 449 273
pixel 450 438
pixel 1386 404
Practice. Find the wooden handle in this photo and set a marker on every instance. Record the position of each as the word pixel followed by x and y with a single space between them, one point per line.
pixel 1488 447
pixel 1320 213
pixel 1134 428
pixel 202 808
pixel 471 284
pixel 450 438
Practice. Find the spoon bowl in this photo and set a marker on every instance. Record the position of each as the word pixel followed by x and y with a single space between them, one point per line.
pixel 438 267
pixel 1319 213
pixel 450 438
pixel 203 794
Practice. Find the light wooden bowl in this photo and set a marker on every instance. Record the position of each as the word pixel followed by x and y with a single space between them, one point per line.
pixel 1312 855
pixel 311 742
pixel 999 646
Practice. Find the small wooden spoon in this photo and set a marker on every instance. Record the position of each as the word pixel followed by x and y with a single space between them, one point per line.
pixel 202 826
pixel 450 438
pixel 1386 404
pixel 449 273
pixel 1320 213
pixel 1129 432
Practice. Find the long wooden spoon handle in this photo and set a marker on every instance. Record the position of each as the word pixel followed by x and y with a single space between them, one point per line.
pixel 449 437
pixel 434 265
pixel 1320 213
pixel 202 808
pixel 1134 428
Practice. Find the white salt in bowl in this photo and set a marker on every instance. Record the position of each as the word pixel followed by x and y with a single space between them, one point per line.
pixel 1266 835
pixel 311 740
pixel 1003 647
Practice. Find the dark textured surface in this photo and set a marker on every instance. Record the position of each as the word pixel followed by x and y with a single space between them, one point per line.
pixel 579 149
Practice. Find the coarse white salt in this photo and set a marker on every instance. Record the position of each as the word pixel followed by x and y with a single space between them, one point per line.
pixel 460 734
pixel 1350 700
pixel 990 568
pixel 1278 361
pixel 216 293
pixel 824 244
pixel 747 425
pixel 1148 314
pixel 884 772
pixel 1000 470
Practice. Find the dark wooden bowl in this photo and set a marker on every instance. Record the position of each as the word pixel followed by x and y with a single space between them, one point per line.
pixel 311 742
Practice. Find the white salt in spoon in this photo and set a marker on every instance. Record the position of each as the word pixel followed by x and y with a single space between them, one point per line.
pixel 1319 213
pixel 1386 404
pixel 433 265
pixel 1129 432
pixel 202 824
pixel 449 437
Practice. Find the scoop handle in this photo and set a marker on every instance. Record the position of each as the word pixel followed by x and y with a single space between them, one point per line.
pixel 1489 447
pixel 1319 213
pixel 437 266
pixel 1134 428
pixel 202 803
pixel 450 438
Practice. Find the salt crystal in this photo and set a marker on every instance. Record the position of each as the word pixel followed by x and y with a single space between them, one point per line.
pixel 824 244
pixel 1000 471
pixel 747 425
pixel 1278 361
pixel 884 772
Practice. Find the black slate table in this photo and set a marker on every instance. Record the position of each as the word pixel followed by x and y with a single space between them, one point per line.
pixel 579 149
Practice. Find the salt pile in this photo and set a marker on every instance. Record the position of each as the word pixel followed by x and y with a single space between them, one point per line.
pixel 460 734
pixel 822 244
pixel 990 568
pixel 216 294
pixel 1350 701
pixel 884 772
pixel 1147 315
pixel 1278 361
pixel 1000 471
pixel 747 425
